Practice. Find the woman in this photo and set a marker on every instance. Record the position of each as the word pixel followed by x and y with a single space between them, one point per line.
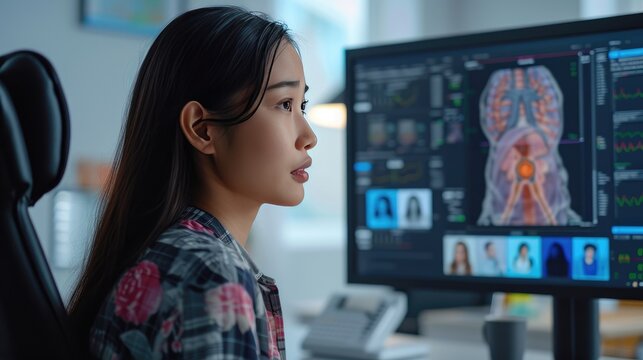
pixel 590 266
pixel 383 208
pixel 557 264
pixel 413 209
pixel 523 263
pixel 215 129
pixel 460 264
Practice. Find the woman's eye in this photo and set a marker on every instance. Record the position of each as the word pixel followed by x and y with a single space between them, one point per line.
pixel 287 105
pixel 303 107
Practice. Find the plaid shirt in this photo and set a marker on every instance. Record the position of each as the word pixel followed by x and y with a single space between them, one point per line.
pixel 195 294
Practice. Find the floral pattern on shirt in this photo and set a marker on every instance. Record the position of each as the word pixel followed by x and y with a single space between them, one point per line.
pixel 230 305
pixel 194 294
pixel 138 294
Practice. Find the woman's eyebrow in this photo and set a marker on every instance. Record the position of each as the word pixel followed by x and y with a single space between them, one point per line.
pixel 286 83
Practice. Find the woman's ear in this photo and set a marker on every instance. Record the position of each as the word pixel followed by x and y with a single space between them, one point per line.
pixel 198 132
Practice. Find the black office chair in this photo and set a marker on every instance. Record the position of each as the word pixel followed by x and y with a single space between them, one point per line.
pixel 34 144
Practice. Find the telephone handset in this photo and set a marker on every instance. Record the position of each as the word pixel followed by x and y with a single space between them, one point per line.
pixel 359 326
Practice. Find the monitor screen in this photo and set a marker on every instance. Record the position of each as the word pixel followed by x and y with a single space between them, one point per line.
pixel 505 161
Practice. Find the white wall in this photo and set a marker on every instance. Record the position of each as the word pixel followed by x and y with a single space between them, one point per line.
pixel 500 14
pixel 408 20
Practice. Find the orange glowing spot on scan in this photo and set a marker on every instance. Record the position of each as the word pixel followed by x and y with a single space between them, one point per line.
pixel 525 169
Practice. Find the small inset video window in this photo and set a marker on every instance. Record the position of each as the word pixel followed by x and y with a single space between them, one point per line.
pixel 381 209
pixel 557 255
pixel 491 256
pixel 415 210
pixel 524 257
pixel 591 259
pixel 458 255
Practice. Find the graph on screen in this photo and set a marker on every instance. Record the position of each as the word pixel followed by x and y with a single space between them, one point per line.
pixel 628 93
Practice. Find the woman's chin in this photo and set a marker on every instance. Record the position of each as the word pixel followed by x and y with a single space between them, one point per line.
pixel 292 199
pixel 294 202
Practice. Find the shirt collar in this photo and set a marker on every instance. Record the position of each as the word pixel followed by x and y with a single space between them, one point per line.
pixel 219 231
pixel 208 221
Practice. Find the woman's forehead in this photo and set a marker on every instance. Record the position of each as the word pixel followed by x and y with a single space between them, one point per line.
pixel 287 65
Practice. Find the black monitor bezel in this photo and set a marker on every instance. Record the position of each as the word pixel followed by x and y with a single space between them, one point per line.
pixel 575 289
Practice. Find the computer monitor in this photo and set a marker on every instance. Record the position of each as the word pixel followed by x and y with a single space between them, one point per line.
pixel 503 161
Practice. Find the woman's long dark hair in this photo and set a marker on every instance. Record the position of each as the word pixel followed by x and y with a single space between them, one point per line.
pixel 467 264
pixel 220 57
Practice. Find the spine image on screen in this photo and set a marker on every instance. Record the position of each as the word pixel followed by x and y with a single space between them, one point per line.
pixel 521 115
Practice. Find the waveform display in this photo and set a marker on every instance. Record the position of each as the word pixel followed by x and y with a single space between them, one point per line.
pixel 628 201
pixel 627 93
pixel 622 95
pixel 628 146
pixel 628 134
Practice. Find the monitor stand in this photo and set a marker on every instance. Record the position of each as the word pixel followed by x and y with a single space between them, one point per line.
pixel 575 328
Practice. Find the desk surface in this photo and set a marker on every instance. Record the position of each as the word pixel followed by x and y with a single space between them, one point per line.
pixel 626 321
pixel 449 350
pixel 441 348
pixel 620 330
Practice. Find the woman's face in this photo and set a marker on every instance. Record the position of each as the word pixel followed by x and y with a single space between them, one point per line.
pixel 590 253
pixel 264 157
pixel 491 251
pixel 460 253
pixel 524 251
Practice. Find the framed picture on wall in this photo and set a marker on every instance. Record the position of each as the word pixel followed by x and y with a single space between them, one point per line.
pixel 140 17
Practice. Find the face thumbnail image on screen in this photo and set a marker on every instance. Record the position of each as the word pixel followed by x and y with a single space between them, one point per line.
pixel 399 209
pixel 521 115
pixel 556 257
pixel 524 257
pixel 475 255
pixel 591 259
pixel 501 256
pixel 578 258
pixel 459 256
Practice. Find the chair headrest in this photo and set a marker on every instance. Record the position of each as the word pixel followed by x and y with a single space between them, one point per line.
pixel 36 96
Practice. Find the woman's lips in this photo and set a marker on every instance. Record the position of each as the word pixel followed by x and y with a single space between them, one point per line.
pixel 300 175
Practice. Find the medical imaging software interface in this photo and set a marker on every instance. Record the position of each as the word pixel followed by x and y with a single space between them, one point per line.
pixel 521 160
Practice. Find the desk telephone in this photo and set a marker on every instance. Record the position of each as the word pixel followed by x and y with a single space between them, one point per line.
pixel 360 327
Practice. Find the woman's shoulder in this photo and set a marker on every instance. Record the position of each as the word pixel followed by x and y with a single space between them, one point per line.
pixel 177 290
pixel 196 257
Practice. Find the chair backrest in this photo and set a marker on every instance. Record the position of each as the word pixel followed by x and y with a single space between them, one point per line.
pixel 34 145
